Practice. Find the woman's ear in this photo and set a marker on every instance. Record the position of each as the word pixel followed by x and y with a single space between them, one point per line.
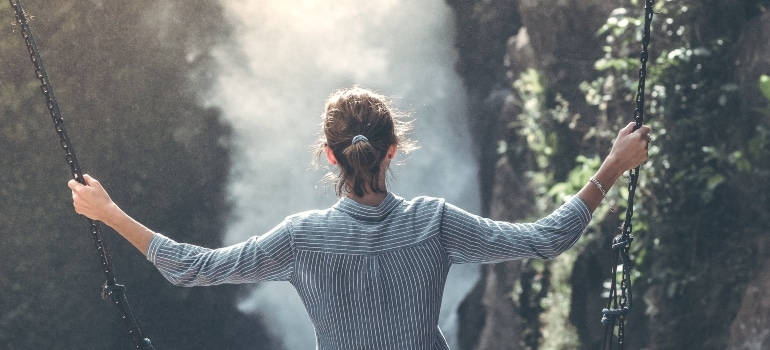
pixel 392 151
pixel 330 156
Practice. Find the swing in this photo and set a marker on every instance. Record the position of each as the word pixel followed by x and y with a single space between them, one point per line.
pixel 618 306
pixel 111 291
pixel 619 301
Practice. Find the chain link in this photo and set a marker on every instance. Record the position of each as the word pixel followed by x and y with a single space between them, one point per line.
pixel 110 290
pixel 619 306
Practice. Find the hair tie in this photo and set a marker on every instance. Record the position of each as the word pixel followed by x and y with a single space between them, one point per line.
pixel 359 138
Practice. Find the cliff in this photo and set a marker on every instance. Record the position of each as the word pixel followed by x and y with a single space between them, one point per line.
pixel 550 83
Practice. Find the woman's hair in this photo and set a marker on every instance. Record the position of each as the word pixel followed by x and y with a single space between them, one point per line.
pixel 357 111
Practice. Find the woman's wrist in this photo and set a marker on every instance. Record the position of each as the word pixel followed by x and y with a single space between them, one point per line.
pixel 597 187
pixel 112 214
pixel 609 172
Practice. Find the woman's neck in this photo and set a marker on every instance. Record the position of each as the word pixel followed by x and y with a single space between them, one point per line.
pixel 374 198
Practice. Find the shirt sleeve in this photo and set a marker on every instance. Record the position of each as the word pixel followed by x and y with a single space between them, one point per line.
pixel 267 257
pixel 469 238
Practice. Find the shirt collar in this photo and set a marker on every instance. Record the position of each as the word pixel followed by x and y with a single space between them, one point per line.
pixel 369 213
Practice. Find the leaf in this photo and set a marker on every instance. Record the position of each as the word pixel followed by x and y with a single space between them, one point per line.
pixel 764 86
pixel 715 181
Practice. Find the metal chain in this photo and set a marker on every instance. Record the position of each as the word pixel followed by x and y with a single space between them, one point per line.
pixel 110 290
pixel 619 306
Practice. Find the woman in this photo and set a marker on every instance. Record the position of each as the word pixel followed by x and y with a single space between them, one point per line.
pixel 371 269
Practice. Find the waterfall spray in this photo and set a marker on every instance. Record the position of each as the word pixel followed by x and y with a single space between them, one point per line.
pixel 289 56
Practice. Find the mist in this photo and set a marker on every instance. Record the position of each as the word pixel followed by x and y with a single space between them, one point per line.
pixel 284 59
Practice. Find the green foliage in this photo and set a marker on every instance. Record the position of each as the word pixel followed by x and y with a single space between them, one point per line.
pixel 535 116
pixel 701 158
pixel 558 332
pixel 538 140
pixel 703 195
pixel 586 168
pixel 764 85
pixel 545 125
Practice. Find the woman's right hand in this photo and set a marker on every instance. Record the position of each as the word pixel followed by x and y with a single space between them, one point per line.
pixel 630 148
pixel 628 152
pixel 93 201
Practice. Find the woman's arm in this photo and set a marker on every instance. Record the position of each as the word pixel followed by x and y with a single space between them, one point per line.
pixel 268 257
pixel 472 239
pixel 93 201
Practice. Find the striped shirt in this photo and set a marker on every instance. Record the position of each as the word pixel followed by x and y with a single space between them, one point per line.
pixel 372 277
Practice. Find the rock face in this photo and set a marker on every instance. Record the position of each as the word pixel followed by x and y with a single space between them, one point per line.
pixel 483 28
pixel 751 327
pixel 558 39
pixel 563 38
pixel 497 41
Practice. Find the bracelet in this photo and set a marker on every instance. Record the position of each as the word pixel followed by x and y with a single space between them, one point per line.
pixel 599 186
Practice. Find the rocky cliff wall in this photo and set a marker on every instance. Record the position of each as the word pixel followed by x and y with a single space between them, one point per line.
pixel 498 41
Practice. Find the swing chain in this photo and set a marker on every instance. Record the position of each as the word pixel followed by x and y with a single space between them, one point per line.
pixel 45 88
pixel 619 306
pixel 111 290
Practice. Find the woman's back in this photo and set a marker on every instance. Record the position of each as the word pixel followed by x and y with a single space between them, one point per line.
pixel 372 277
